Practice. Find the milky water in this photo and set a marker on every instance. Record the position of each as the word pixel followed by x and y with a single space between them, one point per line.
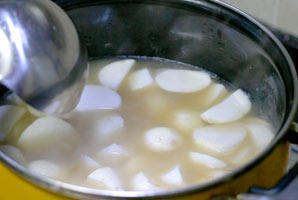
pixel 141 110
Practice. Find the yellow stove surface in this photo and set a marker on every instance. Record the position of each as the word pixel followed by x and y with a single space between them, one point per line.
pixel 13 187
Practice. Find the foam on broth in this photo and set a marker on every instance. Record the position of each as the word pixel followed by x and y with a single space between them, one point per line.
pixel 140 111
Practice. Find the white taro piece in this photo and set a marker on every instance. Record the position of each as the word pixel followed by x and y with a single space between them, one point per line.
pixel 260 132
pixel 48 134
pixel 140 79
pixel 162 139
pixel 114 152
pixel 45 168
pixel 231 109
pixel 242 156
pixel 183 81
pixel 215 91
pixel 218 173
pixel 106 177
pixel 173 177
pixel 95 97
pixel 87 162
pixel 140 182
pixel 114 73
pixel 108 125
pixel 187 120
pixel 134 164
pixel 207 160
pixel 219 138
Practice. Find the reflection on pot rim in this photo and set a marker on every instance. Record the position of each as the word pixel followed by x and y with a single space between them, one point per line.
pixel 291 107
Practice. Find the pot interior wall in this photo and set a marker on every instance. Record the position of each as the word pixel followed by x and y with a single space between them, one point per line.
pixel 204 36
pixel 200 34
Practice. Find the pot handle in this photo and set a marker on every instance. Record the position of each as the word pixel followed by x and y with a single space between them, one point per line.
pixel 286 188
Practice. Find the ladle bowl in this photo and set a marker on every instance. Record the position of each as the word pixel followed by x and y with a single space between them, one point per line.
pixel 41 57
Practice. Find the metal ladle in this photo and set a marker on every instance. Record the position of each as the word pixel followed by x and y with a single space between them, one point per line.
pixel 41 57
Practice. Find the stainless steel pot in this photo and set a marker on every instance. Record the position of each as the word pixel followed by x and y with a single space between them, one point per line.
pixel 203 33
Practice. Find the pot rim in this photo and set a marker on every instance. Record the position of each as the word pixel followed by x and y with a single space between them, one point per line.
pixel 83 192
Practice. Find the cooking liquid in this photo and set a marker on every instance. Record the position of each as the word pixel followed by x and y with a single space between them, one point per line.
pixel 141 110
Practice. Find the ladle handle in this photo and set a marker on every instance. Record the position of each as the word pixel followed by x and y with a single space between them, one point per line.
pixel 286 188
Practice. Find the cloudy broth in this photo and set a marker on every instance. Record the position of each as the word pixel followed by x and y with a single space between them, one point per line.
pixel 142 129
